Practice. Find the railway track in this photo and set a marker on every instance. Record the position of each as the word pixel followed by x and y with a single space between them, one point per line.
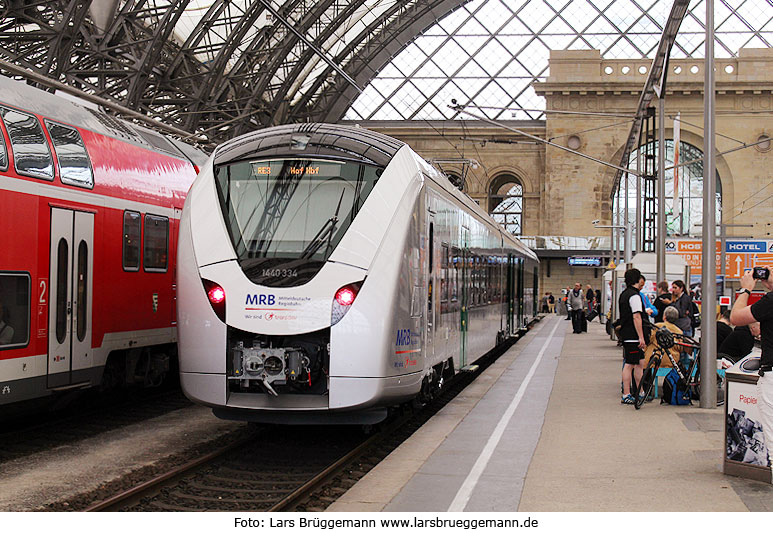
pixel 45 431
pixel 281 468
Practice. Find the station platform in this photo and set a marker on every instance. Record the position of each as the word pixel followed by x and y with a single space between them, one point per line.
pixel 543 429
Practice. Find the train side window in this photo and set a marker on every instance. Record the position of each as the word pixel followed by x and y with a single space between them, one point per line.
pixel 82 281
pixel 31 153
pixel 156 252
pixel 74 163
pixel 62 312
pixel 14 310
pixel 131 241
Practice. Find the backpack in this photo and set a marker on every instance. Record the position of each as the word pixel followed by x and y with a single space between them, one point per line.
pixel 674 391
pixel 695 316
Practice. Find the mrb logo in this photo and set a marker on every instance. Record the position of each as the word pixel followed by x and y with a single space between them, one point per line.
pixel 260 299
pixel 405 337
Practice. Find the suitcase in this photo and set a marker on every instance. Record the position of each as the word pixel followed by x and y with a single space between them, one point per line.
pixel 583 322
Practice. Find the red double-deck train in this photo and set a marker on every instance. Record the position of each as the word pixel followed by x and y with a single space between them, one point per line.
pixel 89 212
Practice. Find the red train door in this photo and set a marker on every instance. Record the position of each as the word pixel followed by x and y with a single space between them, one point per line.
pixel 70 278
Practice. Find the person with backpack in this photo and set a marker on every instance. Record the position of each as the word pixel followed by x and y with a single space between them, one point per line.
pixel 683 304
pixel 761 311
pixel 632 318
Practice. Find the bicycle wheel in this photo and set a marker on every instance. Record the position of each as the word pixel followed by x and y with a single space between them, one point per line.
pixel 695 389
pixel 648 377
pixel 694 381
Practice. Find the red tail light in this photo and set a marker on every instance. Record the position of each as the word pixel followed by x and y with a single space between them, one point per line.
pixel 216 297
pixel 343 300
pixel 346 295
pixel 216 294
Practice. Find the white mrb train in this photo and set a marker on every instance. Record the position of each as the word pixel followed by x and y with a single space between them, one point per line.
pixel 326 272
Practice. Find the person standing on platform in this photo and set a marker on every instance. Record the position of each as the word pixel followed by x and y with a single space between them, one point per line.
pixel 589 297
pixel 551 303
pixel 762 312
pixel 663 298
pixel 631 332
pixel 683 304
pixel 649 309
pixel 567 306
pixel 724 328
pixel 577 303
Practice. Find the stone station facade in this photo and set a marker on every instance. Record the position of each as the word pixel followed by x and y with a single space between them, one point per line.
pixel 562 192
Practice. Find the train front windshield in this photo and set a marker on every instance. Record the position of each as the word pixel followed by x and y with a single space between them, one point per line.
pixel 286 216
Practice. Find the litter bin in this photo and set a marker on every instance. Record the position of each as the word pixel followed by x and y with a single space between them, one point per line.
pixel 745 452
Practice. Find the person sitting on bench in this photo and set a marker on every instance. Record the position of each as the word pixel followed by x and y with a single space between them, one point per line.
pixel 670 314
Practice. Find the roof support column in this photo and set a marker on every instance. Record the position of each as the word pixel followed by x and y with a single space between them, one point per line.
pixel 660 237
pixel 709 271
pixel 639 232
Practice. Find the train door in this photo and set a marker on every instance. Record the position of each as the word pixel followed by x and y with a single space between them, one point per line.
pixel 429 346
pixel 173 236
pixel 521 290
pixel 464 298
pixel 510 293
pixel 70 279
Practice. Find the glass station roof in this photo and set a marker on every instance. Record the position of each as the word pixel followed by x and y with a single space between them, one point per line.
pixel 488 52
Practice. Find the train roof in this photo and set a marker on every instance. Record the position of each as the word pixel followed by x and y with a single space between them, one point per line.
pixel 305 139
pixel 350 142
pixel 442 180
pixel 26 97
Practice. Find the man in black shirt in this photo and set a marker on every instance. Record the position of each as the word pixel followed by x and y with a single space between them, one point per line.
pixel 724 328
pixel 740 342
pixel 631 316
pixel 762 312
pixel 663 299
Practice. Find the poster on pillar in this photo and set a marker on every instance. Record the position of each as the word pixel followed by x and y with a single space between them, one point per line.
pixel 740 254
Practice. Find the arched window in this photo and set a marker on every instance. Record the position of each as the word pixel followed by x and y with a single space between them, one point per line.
pixel 506 203
pixel 686 220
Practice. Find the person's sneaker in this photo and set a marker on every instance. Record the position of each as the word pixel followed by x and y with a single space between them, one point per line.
pixel 627 399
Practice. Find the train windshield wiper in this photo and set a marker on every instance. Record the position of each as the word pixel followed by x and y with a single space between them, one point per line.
pixel 325 232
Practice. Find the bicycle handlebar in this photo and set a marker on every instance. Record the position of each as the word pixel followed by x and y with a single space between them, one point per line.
pixel 668 338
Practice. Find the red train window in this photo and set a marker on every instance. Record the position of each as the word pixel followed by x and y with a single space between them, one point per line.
pixel 156 252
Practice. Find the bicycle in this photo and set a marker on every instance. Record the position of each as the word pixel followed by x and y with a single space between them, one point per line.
pixel 690 377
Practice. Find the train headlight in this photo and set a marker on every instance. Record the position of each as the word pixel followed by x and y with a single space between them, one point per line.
pixel 343 300
pixel 216 297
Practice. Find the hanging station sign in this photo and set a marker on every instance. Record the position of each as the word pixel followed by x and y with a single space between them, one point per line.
pixel 585 261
